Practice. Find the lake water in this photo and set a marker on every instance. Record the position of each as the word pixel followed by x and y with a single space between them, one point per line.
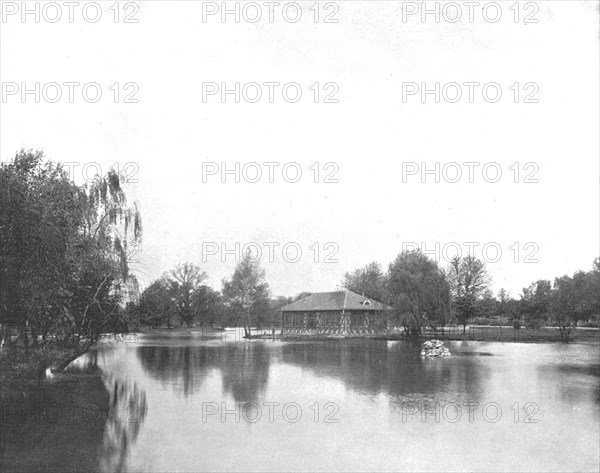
pixel 191 404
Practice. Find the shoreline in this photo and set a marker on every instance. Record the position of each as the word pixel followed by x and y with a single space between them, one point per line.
pixel 22 369
pixel 479 333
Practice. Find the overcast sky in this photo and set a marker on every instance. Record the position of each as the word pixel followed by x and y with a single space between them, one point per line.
pixel 371 135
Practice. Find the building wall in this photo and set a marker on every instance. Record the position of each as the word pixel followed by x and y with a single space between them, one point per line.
pixel 334 322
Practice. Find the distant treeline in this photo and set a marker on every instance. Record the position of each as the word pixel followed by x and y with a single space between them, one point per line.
pixel 427 296
pixel 423 295
pixel 66 253
pixel 180 298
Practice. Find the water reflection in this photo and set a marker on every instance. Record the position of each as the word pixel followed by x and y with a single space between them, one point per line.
pixel 370 368
pixel 125 414
pixel 369 382
pixel 244 367
pixel 568 378
pixel 153 398
pixel 395 369
pixel 128 410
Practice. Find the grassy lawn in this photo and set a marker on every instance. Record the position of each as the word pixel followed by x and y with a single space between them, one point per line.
pixel 510 334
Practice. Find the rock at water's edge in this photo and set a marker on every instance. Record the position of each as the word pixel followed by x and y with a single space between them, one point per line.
pixel 434 348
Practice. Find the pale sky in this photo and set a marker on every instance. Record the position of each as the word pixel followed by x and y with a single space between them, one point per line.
pixel 370 134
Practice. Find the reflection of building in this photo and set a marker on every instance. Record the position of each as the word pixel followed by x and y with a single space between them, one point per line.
pixel 340 313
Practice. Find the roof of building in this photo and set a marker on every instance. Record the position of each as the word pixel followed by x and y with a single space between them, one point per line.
pixel 337 300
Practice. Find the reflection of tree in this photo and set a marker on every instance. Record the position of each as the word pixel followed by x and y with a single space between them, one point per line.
pixel 181 366
pixel 244 367
pixel 245 370
pixel 581 381
pixel 127 412
pixel 369 367
pixel 372 368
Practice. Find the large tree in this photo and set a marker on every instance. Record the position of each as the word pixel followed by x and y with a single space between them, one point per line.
pixel 418 290
pixel 574 299
pixel 186 280
pixel 508 308
pixel 535 303
pixel 209 305
pixel 156 306
pixel 63 252
pixel 588 284
pixel 368 281
pixel 247 292
pixel 487 305
pixel 180 293
pixel 468 280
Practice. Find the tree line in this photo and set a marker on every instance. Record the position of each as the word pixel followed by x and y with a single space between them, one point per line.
pixel 425 295
pixel 66 254
pixel 181 297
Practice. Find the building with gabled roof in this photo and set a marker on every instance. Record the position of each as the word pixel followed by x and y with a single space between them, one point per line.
pixel 338 313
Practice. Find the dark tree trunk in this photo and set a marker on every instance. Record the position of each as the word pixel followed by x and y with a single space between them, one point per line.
pixel 565 332
pixel 34 337
pixel 64 363
pixel 72 357
pixel 24 335
pixel 247 324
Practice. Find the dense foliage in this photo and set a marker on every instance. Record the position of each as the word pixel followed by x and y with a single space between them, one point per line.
pixel 244 300
pixel 423 295
pixel 64 259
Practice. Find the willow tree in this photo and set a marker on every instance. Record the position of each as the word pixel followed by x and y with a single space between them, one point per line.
pixel 418 290
pixel 99 265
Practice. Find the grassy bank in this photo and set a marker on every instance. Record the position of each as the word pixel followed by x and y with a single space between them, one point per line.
pixel 52 424
pixel 496 333
pixel 473 333
pixel 489 333
pixel 20 365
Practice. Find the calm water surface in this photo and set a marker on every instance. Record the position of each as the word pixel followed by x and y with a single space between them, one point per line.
pixel 188 404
